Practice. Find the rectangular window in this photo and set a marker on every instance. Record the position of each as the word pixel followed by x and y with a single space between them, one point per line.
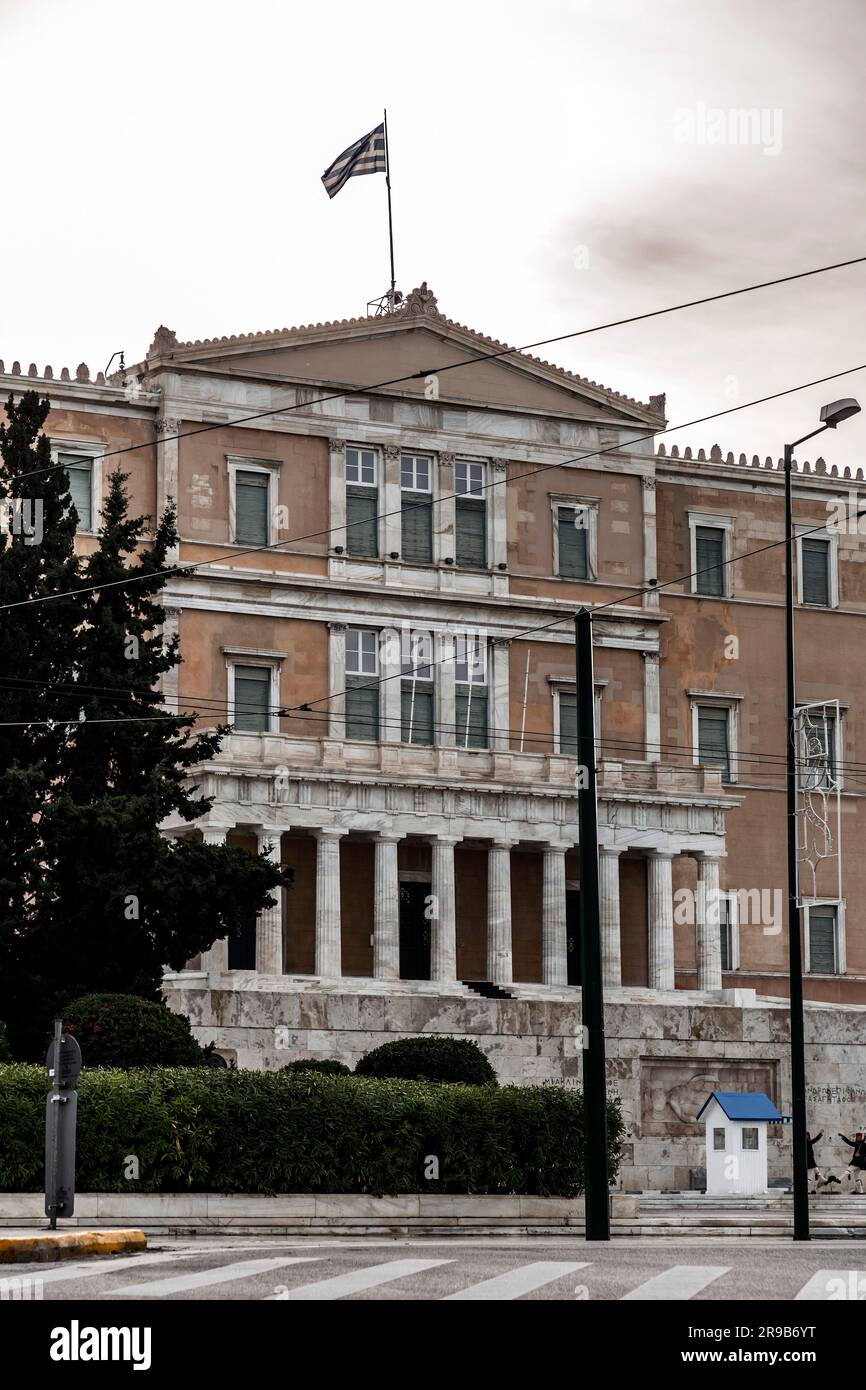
pixel 709 559
pixel 719 1140
pixel 417 508
pixel 822 940
pixel 470 672
pixel 251 508
pixel 568 723
pixel 79 469
pixel 573 537
pixel 470 514
pixel 714 738
pixel 252 713
pixel 815 563
pixel 726 932
pixel 417 691
pixel 362 499
pixel 362 685
pixel 750 1138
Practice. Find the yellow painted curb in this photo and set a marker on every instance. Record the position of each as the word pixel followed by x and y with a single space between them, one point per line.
pixel 65 1245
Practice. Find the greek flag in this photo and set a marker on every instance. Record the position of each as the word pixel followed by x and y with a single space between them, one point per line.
pixel 366 156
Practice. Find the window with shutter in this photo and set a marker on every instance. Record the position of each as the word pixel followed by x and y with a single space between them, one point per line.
pixel 416 711
pixel 573 552
pixel 815 561
pixel 251 508
pixel 568 724
pixel 709 559
pixel 252 698
pixel 471 541
pixel 80 473
pixel 417 522
pixel 362 708
pixel 362 526
pixel 471 716
pixel 822 940
pixel 726 933
pixel 713 740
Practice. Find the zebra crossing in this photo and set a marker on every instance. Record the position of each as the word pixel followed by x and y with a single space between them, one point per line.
pixel 283 1273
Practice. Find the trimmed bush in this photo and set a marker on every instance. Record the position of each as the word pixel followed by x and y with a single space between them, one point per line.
pixel 325 1066
pixel 121 1030
pixel 197 1129
pixel 430 1058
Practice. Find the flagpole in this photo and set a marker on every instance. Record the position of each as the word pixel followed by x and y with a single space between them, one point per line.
pixel 390 221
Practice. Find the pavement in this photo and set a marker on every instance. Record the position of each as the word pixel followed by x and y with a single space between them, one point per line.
pixel 475 1269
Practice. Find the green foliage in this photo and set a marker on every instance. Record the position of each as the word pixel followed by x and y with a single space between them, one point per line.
pixel 121 1030
pixel 325 1066
pixel 5 1049
pixel 271 1132
pixel 430 1058
pixel 92 896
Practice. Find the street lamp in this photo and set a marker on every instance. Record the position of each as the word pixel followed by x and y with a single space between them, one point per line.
pixel 831 416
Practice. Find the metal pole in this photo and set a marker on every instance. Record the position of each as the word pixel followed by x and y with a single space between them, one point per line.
pixel 55 1086
pixel 592 999
pixel 390 222
pixel 795 961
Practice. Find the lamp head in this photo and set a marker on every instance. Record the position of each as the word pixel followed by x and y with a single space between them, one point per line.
pixel 837 411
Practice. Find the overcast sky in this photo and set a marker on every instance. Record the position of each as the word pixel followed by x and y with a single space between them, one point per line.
pixel 550 166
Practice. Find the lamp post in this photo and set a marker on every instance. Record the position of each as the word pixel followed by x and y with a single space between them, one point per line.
pixel 831 416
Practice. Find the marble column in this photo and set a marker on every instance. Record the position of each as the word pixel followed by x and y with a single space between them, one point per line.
pixel 386 908
pixel 709 943
pixel 608 891
pixel 660 920
pixel 499 960
pixel 328 942
pixel 269 923
pixel 554 937
pixel 443 922
pixel 217 958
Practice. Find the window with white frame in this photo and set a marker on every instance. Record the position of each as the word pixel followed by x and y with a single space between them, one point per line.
pixel 575 526
pixel 362 502
pixel 470 513
pixel 710 550
pixel 729 931
pixel 565 721
pixel 714 736
pixel 251 702
pixel 817 570
pixel 416 493
pixel 252 507
pixel 362 684
pixel 824 946
pixel 472 701
pixel 82 463
pixel 417 695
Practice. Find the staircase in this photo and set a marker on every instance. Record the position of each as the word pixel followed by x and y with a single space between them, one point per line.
pixel 487 990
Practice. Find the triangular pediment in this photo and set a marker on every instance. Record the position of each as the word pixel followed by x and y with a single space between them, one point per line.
pixel 406 348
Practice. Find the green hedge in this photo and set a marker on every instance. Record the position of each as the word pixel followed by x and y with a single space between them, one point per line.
pixel 429 1058
pixel 122 1030
pixel 198 1129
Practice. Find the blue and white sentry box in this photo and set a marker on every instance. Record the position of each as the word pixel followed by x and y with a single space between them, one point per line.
pixel 736 1127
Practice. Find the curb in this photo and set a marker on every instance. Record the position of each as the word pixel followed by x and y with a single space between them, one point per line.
pixel 65 1245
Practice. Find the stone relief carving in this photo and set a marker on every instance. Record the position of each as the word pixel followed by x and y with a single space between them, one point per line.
pixel 673 1091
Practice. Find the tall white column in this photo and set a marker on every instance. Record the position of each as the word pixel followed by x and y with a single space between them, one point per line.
pixel 269 923
pixel 608 890
pixel 328 940
pixel 660 920
pixel 500 698
pixel 337 463
pixel 443 923
pixel 217 958
pixel 337 680
pixel 554 937
pixel 167 470
pixel 709 943
pixel 652 706
pixel 386 908
pixel 446 690
pixel 499 959
pixel 393 641
pixel 389 496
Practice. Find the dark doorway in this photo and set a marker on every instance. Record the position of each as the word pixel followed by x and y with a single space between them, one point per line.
pixel 242 948
pixel 414 931
pixel 572 934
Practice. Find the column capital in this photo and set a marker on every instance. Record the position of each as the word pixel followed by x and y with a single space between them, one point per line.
pixel 389 836
pixel 663 853
pixel 329 832
pixel 337 627
pixel 337 446
pixel 708 856
pixel 503 842
pixel 446 839
pixel 392 451
pixel 613 851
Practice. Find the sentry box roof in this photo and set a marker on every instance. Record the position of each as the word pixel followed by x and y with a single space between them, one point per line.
pixel 743 1105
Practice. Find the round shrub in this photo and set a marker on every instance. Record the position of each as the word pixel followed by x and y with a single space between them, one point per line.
pixel 429 1059
pixel 121 1030
pixel 326 1066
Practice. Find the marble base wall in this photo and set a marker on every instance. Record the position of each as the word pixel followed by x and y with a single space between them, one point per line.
pixel 662 1059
